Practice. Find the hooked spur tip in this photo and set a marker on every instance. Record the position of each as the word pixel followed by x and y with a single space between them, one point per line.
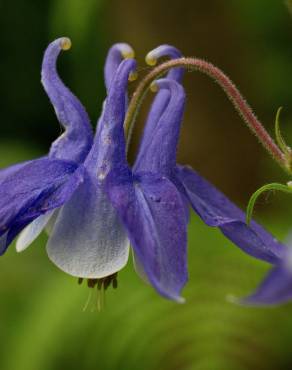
pixel 150 60
pixel 133 76
pixel 65 43
pixel 154 87
pixel 128 54
pixel 126 51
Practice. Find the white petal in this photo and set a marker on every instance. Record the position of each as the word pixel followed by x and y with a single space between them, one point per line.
pixel 32 231
pixel 50 225
pixel 88 240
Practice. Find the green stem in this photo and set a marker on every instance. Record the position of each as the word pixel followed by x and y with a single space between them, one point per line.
pixel 260 191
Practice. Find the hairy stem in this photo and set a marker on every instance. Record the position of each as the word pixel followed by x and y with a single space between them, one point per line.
pixel 194 64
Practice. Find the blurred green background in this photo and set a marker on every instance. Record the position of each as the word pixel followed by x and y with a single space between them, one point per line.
pixel 42 325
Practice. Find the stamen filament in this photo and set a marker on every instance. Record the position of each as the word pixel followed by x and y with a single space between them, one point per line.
pixel 225 83
pixel 88 301
pixel 100 299
pixel 100 285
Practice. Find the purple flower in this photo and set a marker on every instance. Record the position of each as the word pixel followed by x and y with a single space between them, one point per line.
pixel 158 153
pixel 276 287
pixel 87 238
pixel 94 205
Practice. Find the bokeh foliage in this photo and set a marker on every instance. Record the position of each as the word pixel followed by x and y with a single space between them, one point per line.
pixel 42 325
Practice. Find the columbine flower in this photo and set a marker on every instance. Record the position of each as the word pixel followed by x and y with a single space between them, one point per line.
pixel 87 239
pixel 104 204
pixel 211 205
pixel 75 143
pixel 31 190
pixel 158 153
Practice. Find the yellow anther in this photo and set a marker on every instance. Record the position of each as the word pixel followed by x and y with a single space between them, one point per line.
pixel 154 87
pixel 66 43
pixel 133 76
pixel 128 54
pixel 150 60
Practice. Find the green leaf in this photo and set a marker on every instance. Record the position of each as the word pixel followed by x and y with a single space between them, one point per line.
pixel 256 194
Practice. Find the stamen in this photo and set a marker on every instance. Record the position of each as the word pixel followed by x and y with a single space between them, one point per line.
pixel 115 282
pixel 65 43
pixel 91 283
pixel 88 301
pixel 95 301
pixel 107 282
pixel 101 285
pixel 100 299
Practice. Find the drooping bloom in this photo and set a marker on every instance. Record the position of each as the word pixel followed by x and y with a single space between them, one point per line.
pixel 73 117
pixel 87 239
pixel 46 183
pixel 97 205
pixel 158 153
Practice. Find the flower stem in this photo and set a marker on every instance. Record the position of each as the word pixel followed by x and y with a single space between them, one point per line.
pixel 226 84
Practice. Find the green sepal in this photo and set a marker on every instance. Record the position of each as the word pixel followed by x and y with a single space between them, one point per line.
pixel 256 194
